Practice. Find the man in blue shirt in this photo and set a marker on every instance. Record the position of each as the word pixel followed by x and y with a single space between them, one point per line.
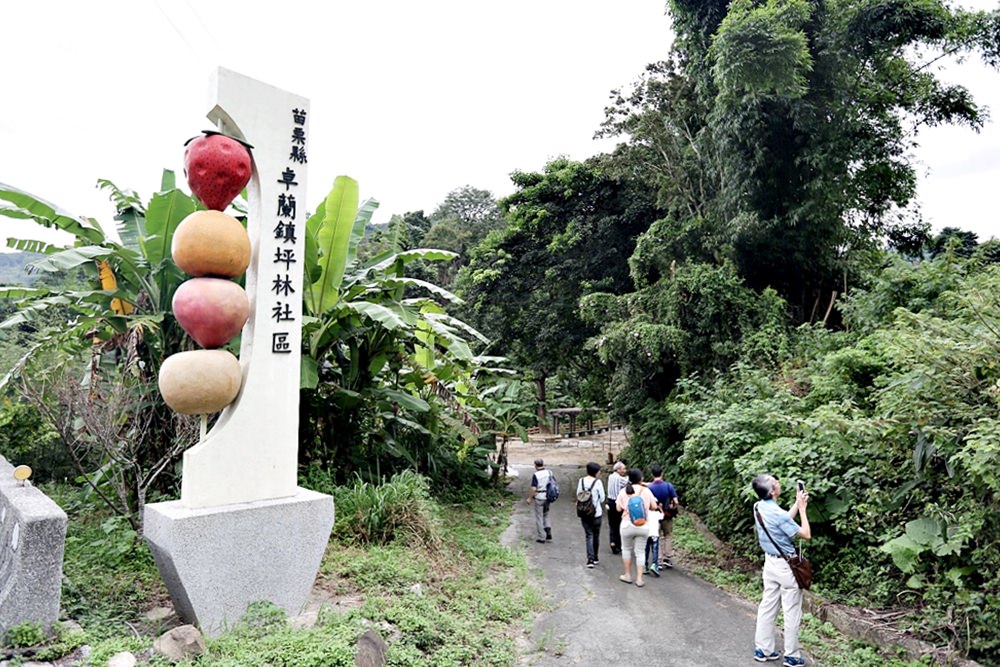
pixel 779 582
pixel 661 545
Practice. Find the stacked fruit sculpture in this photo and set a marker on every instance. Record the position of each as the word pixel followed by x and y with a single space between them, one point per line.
pixel 213 248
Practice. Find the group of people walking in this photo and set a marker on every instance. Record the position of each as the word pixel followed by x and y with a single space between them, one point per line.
pixel 640 516
pixel 640 523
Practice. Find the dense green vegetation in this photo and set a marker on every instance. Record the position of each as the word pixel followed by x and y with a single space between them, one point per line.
pixel 893 424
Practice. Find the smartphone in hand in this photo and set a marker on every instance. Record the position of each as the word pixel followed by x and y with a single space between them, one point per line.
pixel 800 485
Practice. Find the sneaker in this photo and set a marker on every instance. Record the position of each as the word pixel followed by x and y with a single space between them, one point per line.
pixel 654 570
pixel 759 656
pixel 590 564
pixel 540 541
pixel 665 563
pixel 793 662
pixel 597 562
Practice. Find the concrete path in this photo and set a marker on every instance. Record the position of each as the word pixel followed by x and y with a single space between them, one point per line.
pixel 676 620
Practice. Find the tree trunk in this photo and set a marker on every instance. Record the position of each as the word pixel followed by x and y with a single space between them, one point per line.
pixel 540 393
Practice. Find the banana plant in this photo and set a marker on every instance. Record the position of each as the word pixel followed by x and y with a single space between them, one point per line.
pixel 343 296
pixel 129 283
pixel 370 343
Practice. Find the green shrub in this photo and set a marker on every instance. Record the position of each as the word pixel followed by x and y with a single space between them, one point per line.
pixel 400 508
pixel 894 426
pixel 26 438
pixel 24 635
pixel 109 577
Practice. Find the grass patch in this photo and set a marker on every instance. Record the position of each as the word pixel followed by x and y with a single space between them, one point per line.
pixel 704 559
pixel 109 577
pixel 430 576
pixel 832 649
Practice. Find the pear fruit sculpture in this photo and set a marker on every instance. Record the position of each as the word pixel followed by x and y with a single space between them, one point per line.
pixel 213 248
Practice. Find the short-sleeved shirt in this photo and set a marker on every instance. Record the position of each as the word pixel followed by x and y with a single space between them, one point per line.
pixel 616 483
pixel 781 526
pixel 622 503
pixel 664 492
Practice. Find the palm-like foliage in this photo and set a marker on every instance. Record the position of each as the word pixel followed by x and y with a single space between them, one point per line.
pixel 384 365
pixel 143 274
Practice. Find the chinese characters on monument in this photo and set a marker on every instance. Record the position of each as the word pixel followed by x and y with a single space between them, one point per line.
pixel 282 285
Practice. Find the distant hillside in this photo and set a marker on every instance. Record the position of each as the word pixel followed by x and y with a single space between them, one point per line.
pixel 12 268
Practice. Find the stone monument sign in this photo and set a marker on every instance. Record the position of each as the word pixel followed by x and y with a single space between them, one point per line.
pixel 32 538
pixel 243 531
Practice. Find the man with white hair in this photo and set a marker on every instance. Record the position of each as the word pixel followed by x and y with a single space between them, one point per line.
pixel 617 481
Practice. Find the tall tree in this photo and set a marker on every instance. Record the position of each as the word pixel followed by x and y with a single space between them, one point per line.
pixel 465 217
pixel 794 119
pixel 570 231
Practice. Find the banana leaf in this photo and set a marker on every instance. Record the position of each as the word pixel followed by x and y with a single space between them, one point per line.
pixel 387 317
pixel 334 241
pixel 309 374
pixel 406 400
pixel 31 245
pixel 426 254
pixel 70 259
pixel 430 287
pixel 166 211
pixel 48 215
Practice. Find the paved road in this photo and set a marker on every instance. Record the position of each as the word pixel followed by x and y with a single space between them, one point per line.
pixel 676 620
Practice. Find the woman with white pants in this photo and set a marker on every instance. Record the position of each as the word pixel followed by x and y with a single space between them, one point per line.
pixel 633 536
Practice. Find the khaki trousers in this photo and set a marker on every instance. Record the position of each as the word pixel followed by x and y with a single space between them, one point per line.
pixel 779 588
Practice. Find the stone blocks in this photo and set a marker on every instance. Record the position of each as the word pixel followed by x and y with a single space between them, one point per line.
pixel 32 539
pixel 217 561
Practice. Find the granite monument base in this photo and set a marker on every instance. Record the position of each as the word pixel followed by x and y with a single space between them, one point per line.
pixel 32 539
pixel 217 561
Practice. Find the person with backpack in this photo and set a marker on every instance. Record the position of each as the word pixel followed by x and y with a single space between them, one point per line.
pixel 543 488
pixel 635 502
pixel 589 504
pixel 661 544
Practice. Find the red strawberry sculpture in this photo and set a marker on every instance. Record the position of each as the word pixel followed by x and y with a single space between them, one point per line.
pixel 217 168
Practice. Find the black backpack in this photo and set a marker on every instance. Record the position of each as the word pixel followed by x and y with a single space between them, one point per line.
pixel 584 501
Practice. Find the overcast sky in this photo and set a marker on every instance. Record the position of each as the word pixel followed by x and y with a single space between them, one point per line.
pixel 413 99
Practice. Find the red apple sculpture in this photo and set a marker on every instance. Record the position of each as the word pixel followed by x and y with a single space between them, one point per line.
pixel 211 310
